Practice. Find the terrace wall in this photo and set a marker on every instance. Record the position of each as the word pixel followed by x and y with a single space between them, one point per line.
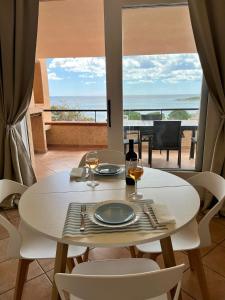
pixel 83 134
pixel 77 134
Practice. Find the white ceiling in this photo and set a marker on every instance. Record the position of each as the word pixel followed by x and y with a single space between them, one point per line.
pixel 75 28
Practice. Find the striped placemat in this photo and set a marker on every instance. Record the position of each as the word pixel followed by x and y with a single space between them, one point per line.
pixel 73 219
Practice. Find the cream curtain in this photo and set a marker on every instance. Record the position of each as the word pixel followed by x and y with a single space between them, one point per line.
pixel 18 31
pixel 208 23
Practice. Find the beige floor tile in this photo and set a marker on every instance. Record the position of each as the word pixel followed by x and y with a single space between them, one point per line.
pixel 47 264
pixel 206 250
pixel 107 253
pixel 3 232
pixel 220 220
pixel 38 288
pixel 8 270
pixel 216 285
pixel 50 275
pixel 3 249
pixel 217 232
pixel 13 216
pixel 185 296
pixel 222 244
pixel 68 157
pixel 216 260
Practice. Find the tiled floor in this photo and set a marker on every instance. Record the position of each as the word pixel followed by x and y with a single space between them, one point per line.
pixel 38 285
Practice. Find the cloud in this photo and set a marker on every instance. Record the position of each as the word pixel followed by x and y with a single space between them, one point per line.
pixel 90 82
pixel 87 67
pixel 167 68
pixel 53 76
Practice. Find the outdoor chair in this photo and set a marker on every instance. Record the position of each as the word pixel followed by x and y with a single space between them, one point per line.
pixel 194 235
pixel 26 244
pixel 120 279
pixel 166 136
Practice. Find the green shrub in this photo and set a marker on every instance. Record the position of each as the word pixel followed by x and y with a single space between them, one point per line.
pixel 179 115
pixel 68 115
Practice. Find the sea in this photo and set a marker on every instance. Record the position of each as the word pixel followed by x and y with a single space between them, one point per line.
pixel 182 101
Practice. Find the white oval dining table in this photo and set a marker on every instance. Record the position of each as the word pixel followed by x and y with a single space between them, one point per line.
pixel 43 207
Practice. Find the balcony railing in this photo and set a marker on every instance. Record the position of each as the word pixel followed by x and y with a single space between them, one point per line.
pixel 86 114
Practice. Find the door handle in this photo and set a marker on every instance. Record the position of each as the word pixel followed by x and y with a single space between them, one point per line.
pixel 109 112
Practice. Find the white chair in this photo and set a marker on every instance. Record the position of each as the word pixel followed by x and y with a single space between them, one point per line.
pixel 120 279
pixel 194 236
pixel 107 156
pixel 26 244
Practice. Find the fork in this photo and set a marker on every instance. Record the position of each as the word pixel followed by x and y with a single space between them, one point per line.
pixel 151 219
pixel 82 214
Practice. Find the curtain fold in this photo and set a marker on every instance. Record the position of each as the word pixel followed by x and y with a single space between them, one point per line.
pixel 18 34
pixel 208 23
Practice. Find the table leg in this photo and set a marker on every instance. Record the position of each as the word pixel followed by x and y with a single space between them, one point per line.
pixel 168 257
pixel 60 266
pixel 195 257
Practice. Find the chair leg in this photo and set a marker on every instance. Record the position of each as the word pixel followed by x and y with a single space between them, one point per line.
pixel 179 158
pixel 140 149
pixel 21 277
pixel 150 156
pixel 198 266
pixel 79 259
pixel 191 261
pixel 192 150
pixel 132 251
pixel 167 155
pixel 70 264
pixel 85 257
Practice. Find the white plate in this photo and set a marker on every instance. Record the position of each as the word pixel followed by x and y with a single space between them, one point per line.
pixel 107 169
pixel 137 210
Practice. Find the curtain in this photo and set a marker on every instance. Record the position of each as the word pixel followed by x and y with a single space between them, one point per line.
pixel 18 32
pixel 208 23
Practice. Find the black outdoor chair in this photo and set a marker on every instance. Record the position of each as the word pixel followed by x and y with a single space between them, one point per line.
pixel 166 136
pixel 146 132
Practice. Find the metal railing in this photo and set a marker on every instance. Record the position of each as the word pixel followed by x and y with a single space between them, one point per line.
pixel 95 111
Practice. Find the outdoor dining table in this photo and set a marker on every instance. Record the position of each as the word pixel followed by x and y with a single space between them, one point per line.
pixel 189 125
pixel 43 207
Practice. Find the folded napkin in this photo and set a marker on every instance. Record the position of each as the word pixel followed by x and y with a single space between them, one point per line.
pixel 162 214
pixel 76 172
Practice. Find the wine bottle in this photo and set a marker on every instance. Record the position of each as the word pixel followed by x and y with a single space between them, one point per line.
pixel 131 157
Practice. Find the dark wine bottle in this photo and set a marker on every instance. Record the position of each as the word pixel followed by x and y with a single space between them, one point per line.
pixel 131 159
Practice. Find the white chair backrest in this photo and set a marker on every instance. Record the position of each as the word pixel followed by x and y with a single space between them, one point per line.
pixel 120 287
pixel 107 156
pixel 215 184
pixel 8 187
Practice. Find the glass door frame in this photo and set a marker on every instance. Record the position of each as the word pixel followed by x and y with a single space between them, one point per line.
pixel 114 69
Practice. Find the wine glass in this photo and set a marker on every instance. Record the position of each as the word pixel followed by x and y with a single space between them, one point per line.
pixel 92 162
pixel 135 171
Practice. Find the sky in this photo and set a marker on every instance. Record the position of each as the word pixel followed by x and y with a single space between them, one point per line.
pixel 142 75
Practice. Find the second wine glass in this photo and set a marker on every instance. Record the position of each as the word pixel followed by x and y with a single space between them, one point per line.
pixel 135 171
pixel 92 162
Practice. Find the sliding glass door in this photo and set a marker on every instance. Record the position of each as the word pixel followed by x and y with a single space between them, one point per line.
pixel 153 73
